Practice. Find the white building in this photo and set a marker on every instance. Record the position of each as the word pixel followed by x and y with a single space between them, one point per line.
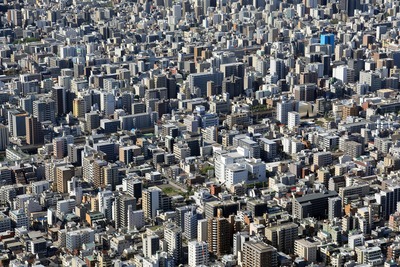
pixel 235 173
pixel 282 110
pixel 106 198
pixel 173 237
pixel 340 73
pixel 306 248
pixel 356 240
pixel 75 239
pixel 39 187
pixel 65 206
pixel 107 102
pixel 371 256
pixel 198 253
pixel 190 224
pixel 293 120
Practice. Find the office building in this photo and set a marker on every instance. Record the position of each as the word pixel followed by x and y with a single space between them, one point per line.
pixel 16 123
pixel 312 205
pixel 283 108
pixel 328 39
pixel 305 92
pixel 92 121
pixel 44 109
pixel 59 95
pixel 4 137
pixel 107 103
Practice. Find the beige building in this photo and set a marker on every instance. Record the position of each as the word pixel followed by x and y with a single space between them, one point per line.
pixel 306 248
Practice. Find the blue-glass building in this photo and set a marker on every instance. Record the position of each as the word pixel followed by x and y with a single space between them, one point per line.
pixel 328 38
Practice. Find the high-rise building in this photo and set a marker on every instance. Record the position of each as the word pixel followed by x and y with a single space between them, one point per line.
pixel 75 154
pixel 190 224
pixel 348 6
pixel 322 158
pixel 106 200
pixel 16 123
pixel 305 92
pixel 202 230
pixel 92 121
pixel 388 199
pixel 133 187
pixel 107 101
pixel 63 175
pixel 199 80
pixel 283 108
pixel 122 203
pixel 108 148
pixel 111 175
pixel 14 16
pixel 151 244
pixel 180 216
pixel 135 218
pixel 349 110
pixel 79 107
pixel 198 253
pixel 34 131
pixel 371 78
pixel 75 239
pixel 98 173
pixel 4 137
pixel 232 85
pixel 334 208
pixel 328 39
pixel 151 201
pixel 59 95
pixel 282 236
pixel 219 235
pixel 213 208
pixel 293 120
pixel 44 109
pixel 259 254
pixel 60 146
pixel 173 237
pixel 277 66
pixel 307 249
